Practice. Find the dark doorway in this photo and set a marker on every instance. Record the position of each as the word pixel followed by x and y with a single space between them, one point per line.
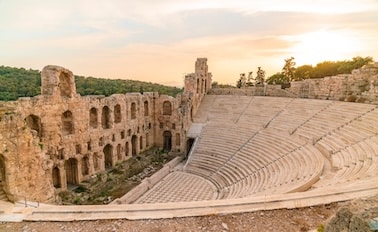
pixel 108 153
pixel 134 141
pixel 56 177
pixel 167 144
pixel 189 145
pixel 2 172
pixel 71 171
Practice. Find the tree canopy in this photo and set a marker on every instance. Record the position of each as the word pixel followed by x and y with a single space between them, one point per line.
pixel 19 82
pixel 323 69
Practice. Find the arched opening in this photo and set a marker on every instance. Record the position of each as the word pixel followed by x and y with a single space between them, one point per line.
pixel 133 110
pixel 147 140
pixel 146 108
pixel 85 166
pixel 108 153
pixel 205 86
pixel 119 156
pixel 56 177
pixel 127 149
pixel 117 114
pixel 65 85
pixel 93 118
pixel 198 86
pixel 167 108
pixel 134 145
pixel 2 173
pixel 34 123
pixel 105 118
pixel 167 144
pixel 141 143
pixel 191 114
pixel 71 171
pixel 67 123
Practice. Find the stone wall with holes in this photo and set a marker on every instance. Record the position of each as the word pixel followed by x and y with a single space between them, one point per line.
pixel 58 139
pixel 359 86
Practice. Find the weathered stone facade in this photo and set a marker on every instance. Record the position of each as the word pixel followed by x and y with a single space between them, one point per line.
pixel 60 138
pixel 359 86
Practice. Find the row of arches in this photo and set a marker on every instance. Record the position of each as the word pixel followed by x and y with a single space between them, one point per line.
pixel 201 86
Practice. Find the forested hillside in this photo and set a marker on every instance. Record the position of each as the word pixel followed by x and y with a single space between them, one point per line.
pixel 20 82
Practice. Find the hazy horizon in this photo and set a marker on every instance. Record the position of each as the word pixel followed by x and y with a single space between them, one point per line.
pixel 159 41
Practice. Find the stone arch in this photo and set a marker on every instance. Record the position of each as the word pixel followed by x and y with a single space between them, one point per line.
pixel 2 172
pixel 34 123
pixel 134 141
pixel 67 123
pixel 119 155
pixel 147 140
pixel 167 108
pixel 133 110
pixel 105 118
pixel 127 149
pixel 146 113
pixel 56 177
pixel 117 114
pixel 71 168
pixel 93 117
pixel 108 156
pixel 198 85
pixel 65 87
pixel 167 142
pixel 85 166
pixel 141 143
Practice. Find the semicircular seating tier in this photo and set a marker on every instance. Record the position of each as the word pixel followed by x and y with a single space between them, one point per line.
pixel 253 146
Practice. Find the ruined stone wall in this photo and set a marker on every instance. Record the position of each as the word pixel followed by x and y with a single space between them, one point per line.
pixel 360 86
pixel 59 138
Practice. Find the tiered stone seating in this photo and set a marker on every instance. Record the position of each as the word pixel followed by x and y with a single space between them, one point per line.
pixel 179 186
pixel 253 146
pixel 297 113
pixel 331 118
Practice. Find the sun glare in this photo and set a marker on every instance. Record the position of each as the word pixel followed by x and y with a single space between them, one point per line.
pixel 318 46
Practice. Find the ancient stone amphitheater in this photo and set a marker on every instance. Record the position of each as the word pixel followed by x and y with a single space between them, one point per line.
pixel 248 153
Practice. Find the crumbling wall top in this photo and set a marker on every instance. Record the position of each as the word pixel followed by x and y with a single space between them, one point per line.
pixel 58 81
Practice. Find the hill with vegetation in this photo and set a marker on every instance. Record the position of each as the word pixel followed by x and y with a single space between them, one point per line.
pixel 20 82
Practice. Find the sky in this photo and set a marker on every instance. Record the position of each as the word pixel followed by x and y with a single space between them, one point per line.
pixel 159 41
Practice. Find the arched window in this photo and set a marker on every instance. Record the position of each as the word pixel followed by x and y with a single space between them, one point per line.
pixel 108 154
pixel 133 110
pixel 145 108
pixel 67 123
pixel 167 143
pixel 71 171
pixel 34 123
pixel 147 140
pixel 198 85
pixel 85 166
pixel 56 177
pixel 117 114
pixel 140 143
pixel 105 118
pixel 167 108
pixel 93 118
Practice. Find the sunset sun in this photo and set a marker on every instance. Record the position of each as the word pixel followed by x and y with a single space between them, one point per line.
pixel 318 46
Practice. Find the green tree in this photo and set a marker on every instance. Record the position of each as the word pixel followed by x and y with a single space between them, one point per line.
pixel 260 77
pixel 242 81
pixel 288 69
pixel 303 72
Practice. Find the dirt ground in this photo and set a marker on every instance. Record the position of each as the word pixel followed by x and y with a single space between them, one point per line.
pixel 302 219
